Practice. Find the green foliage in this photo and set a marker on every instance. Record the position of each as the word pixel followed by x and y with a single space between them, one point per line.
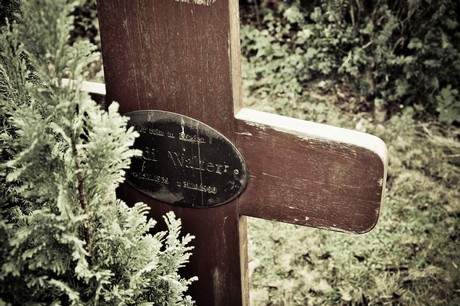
pixel 65 237
pixel 447 104
pixel 392 53
pixel 86 24
pixel 410 258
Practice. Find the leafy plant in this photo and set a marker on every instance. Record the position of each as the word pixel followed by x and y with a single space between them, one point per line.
pixel 392 53
pixel 447 104
pixel 86 23
pixel 65 237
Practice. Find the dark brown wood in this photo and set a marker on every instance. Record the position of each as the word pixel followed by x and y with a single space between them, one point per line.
pixel 311 174
pixel 183 57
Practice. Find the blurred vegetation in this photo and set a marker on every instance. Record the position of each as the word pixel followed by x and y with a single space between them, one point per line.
pixel 387 67
pixel 7 10
pixel 388 54
pixel 86 24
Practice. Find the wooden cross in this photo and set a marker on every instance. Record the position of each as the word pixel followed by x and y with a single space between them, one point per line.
pixel 183 57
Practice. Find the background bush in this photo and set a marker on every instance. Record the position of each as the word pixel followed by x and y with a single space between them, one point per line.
pixel 387 54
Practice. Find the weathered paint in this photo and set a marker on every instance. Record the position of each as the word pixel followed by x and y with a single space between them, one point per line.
pixel 330 179
pixel 356 145
pixel 198 2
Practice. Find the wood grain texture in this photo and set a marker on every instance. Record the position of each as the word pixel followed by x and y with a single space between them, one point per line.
pixel 311 174
pixel 169 56
pixel 175 56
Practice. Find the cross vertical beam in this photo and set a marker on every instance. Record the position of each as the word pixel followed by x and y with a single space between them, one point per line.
pixel 182 57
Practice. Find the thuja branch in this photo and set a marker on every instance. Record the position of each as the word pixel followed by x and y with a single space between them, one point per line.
pixel 83 199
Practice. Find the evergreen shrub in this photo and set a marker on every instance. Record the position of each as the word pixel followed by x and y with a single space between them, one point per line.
pixel 65 237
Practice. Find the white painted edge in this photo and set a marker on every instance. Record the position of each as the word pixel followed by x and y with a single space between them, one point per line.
pixel 93 87
pixel 89 87
pixel 311 130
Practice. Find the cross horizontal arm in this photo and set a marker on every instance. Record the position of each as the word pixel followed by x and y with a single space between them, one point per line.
pixel 307 173
pixel 311 174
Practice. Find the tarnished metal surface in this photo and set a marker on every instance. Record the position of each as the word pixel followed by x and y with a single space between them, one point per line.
pixel 184 161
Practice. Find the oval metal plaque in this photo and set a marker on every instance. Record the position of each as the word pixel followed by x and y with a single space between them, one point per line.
pixel 184 161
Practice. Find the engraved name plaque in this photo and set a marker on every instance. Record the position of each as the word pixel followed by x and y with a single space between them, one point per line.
pixel 184 161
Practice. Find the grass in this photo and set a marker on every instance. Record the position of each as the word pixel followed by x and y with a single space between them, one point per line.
pixel 410 258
